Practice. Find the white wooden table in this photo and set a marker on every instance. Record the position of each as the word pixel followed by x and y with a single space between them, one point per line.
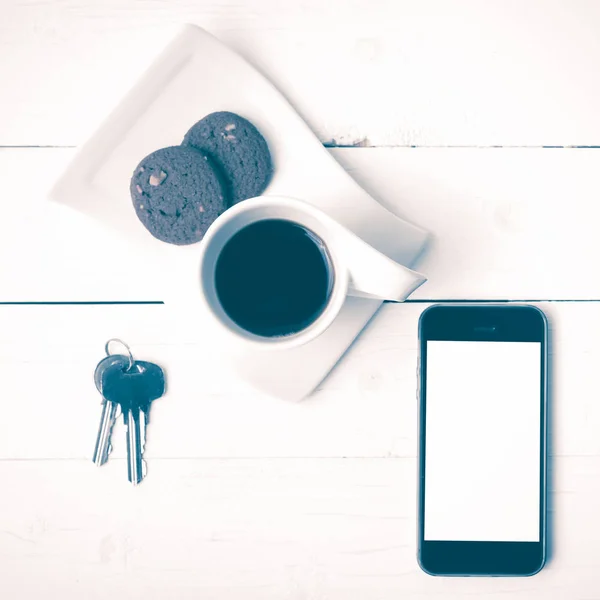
pixel 477 120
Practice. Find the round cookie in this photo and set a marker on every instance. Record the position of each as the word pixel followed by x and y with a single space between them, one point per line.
pixel 238 148
pixel 177 194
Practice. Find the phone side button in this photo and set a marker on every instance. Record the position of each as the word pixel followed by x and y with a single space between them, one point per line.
pixel 418 383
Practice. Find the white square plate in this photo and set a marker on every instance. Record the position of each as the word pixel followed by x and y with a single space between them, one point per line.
pixel 194 76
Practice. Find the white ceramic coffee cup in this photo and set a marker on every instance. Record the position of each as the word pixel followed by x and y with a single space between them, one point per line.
pixel 358 268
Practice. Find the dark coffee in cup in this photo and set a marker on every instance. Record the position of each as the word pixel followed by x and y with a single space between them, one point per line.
pixel 274 278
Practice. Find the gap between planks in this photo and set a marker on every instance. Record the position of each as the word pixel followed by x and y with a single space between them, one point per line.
pixel 361 144
pixel 409 301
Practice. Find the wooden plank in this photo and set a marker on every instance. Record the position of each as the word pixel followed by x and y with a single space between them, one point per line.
pixel 366 407
pixel 258 529
pixel 505 224
pixel 391 73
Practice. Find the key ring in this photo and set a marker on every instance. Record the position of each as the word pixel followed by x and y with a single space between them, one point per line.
pixel 129 354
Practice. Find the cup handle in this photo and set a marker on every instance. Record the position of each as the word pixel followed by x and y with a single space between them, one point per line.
pixel 372 274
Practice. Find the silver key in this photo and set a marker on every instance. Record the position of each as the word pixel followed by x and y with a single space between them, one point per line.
pixel 110 410
pixel 134 389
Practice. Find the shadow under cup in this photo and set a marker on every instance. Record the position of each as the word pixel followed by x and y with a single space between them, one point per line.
pixel 267 277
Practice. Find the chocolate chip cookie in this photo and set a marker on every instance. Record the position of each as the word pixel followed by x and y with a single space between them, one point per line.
pixel 238 148
pixel 177 193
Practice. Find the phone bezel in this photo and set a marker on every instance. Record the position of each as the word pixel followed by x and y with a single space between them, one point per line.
pixel 465 322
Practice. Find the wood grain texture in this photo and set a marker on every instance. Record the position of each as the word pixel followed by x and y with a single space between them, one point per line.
pixel 505 224
pixel 260 529
pixel 247 496
pixel 365 408
pixel 390 72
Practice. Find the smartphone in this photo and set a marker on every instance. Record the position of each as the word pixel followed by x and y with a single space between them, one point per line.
pixel 482 440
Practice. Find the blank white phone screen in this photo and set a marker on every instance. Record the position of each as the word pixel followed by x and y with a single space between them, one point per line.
pixel 482 441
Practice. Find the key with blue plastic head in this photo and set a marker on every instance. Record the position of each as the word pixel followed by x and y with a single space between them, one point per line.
pixel 110 410
pixel 134 389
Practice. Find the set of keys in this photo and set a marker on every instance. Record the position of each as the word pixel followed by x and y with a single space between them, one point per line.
pixel 128 387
